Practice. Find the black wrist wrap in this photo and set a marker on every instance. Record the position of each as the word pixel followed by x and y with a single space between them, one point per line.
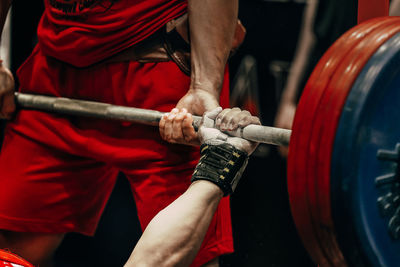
pixel 221 164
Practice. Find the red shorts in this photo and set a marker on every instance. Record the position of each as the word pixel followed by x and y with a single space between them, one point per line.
pixel 57 171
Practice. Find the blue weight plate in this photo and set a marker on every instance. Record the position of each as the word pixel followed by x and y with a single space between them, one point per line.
pixel 365 172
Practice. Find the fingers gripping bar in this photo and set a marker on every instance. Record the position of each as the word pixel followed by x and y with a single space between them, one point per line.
pixel 257 133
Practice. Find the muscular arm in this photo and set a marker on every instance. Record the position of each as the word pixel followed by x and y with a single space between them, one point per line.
pixel 174 236
pixel 212 25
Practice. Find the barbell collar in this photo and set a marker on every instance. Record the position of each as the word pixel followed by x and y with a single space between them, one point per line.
pixel 256 133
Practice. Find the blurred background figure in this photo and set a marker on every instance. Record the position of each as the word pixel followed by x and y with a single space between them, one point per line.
pixel 323 23
pixel 289 95
pixel 244 91
pixel 263 230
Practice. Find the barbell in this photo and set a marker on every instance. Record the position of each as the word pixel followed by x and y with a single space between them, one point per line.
pixel 257 133
pixel 344 153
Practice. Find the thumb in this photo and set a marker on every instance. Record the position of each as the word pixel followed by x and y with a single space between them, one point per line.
pixel 208 119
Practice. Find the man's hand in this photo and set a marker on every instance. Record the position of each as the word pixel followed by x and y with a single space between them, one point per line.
pixel 223 158
pixel 7 102
pixel 227 120
pixel 198 101
pixel 176 127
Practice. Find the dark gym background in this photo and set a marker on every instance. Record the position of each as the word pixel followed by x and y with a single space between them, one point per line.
pixel 263 228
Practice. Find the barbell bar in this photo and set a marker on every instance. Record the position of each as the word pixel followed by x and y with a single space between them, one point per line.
pixel 257 133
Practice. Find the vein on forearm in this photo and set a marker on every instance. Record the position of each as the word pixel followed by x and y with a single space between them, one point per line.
pixel 212 26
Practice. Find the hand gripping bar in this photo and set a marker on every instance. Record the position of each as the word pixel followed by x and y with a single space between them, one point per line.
pixel 257 133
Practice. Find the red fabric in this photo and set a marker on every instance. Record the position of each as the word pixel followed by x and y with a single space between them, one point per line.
pixel 8 259
pixel 82 32
pixel 57 172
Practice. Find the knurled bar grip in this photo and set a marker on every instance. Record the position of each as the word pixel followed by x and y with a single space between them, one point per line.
pixel 257 133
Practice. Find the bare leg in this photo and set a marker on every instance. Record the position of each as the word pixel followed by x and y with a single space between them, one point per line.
pixel 36 248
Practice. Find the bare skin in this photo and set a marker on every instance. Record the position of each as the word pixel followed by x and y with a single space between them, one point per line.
pixel 176 127
pixel 212 26
pixel 175 234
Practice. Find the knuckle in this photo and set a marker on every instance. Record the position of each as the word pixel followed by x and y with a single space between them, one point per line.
pixel 231 120
pixel 244 122
pixel 176 136
pixel 224 112
pixel 236 119
pixel 246 113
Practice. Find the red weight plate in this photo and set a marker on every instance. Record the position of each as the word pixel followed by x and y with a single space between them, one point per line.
pixel 297 178
pixel 324 131
pixel 297 185
pixel 318 196
pixel 9 259
pixel 319 199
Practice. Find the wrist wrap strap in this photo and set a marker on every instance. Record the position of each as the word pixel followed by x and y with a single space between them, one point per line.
pixel 221 164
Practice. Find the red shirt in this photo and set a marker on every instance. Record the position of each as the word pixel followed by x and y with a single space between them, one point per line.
pixel 83 32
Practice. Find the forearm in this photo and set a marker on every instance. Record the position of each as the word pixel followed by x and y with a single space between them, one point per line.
pixel 175 234
pixel 4 7
pixel 212 25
